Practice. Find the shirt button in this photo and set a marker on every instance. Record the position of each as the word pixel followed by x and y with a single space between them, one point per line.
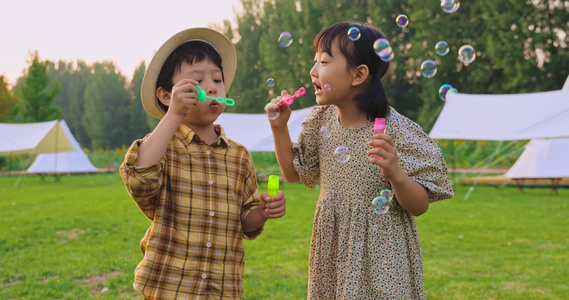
pixel 210 182
pixel 204 276
pixel 211 213
pixel 208 152
pixel 208 245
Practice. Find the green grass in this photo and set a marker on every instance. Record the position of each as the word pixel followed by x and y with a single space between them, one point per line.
pixel 75 238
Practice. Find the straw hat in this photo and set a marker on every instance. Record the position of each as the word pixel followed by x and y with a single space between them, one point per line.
pixel 220 42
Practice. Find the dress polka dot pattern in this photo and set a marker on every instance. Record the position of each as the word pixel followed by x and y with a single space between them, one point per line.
pixel 356 253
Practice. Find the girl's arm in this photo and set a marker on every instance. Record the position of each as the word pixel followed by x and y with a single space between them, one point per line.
pixel 283 151
pixel 283 143
pixel 412 196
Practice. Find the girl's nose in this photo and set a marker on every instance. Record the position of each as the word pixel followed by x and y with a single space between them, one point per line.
pixel 313 72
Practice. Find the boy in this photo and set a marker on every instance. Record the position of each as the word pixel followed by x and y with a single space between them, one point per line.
pixel 197 186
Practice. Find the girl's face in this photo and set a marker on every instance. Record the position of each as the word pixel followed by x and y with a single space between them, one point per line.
pixel 331 77
pixel 210 79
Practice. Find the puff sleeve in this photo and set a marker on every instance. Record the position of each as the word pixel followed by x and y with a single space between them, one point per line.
pixel 420 157
pixel 306 161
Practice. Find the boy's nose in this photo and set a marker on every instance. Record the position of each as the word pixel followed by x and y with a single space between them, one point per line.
pixel 211 90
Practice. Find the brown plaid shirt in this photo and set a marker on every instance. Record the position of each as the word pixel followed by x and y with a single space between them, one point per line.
pixel 197 198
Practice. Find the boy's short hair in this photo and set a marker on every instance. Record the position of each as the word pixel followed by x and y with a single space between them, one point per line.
pixel 218 44
pixel 189 52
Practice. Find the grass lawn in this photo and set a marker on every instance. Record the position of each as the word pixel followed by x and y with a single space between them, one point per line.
pixel 79 239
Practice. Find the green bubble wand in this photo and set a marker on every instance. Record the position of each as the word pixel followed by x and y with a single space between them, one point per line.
pixel 273 185
pixel 202 96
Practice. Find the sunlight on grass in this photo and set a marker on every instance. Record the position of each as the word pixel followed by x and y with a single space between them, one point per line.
pixel 79 239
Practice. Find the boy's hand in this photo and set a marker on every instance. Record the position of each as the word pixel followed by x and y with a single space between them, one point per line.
pixel 184 95
pixel 273 208
pixel 384 147
pixel 284 111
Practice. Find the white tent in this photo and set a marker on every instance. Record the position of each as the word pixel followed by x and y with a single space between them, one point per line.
pixel 542 117
pixel 63 162
pixel 504 117
pixel 542 158
pixel 41 137
pixel 254 130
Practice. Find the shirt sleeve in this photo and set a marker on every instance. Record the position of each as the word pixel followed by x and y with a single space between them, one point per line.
pixel 306 161
pixel 422 159
pixel 251 196
pixel 142 183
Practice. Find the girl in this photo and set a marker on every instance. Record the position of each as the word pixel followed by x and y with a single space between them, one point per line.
pixel 355 252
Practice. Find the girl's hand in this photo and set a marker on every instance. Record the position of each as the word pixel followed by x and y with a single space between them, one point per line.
pixel 384 147
pixel 284 111
pixel 273 208
pixel 184 95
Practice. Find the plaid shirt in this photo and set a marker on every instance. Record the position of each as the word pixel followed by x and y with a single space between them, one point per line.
pixel 197 198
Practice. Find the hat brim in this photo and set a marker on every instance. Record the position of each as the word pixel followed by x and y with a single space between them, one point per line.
pixel 219 41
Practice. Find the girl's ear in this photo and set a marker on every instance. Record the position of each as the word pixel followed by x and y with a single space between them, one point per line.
pixel 360 75
pixel 164 96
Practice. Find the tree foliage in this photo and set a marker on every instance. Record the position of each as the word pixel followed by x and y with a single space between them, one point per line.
pixel 8 102
pixel 521 47
pixel 37 100
pixel 73 77
pixel 105 116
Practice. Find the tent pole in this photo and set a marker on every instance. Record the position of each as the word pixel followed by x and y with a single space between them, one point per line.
pixel 56 148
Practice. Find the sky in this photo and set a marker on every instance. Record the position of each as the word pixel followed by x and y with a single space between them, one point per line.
pixel 126 32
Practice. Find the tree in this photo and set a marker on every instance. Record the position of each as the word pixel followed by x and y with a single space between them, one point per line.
pixel 521 46
pixel 8 102
pixel 105 117
pixel 36 99
pixel 140 122
pixel 73 77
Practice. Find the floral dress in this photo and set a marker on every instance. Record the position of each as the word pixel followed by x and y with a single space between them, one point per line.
pixel 355 252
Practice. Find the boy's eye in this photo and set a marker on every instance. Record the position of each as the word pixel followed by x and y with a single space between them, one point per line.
pixel 218 80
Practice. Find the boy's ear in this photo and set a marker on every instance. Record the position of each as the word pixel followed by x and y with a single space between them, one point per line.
pixel 359 75
pixel 164 96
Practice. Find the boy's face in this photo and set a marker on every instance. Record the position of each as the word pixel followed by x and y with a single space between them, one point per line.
pixel 210 79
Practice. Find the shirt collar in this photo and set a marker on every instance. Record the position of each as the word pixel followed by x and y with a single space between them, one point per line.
pixel 187 135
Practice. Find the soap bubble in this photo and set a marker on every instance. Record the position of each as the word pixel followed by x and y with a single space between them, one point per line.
pixel 354 33
pixel 450 6
pixel 325 131
pixel 382 202
pixel 446 90
pixel 466 54
pixel 441 48
pixel 383 49
pixel 271 82
pixel 327 87
pixel 428 68
pixel 402 21
pixel 273 111
pixel 285 39
pixel 342 154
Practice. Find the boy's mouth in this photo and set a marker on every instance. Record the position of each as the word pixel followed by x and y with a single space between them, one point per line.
pixel 214 105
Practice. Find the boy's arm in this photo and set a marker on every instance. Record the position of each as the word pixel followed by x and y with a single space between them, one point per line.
pixel 258 216
pixel 154 146
pixel 182 97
